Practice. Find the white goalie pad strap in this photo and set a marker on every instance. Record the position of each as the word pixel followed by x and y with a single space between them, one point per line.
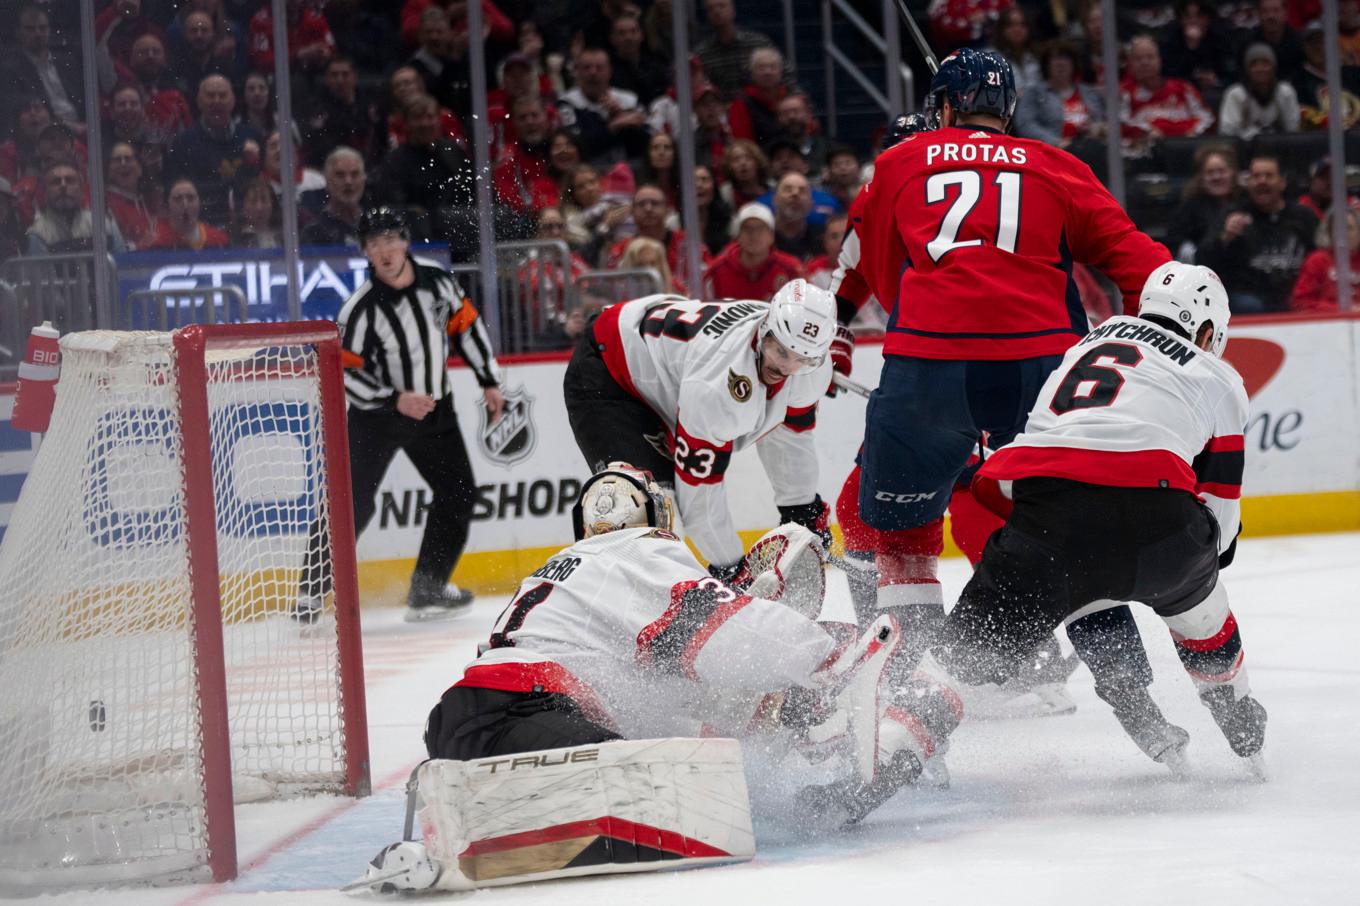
pixel 628 806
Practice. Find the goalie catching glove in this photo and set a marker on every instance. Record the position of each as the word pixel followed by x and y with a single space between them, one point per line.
pixel 787 564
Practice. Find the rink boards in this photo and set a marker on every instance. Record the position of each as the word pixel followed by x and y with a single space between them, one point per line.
pixel 1302 465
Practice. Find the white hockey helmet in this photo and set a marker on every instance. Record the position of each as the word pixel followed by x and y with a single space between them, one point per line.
pixel 1188 295
pixel 619 497
pixel 802 318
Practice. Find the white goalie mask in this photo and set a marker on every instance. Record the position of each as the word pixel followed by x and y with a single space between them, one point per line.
pixel 1189 295
pixel 620 497
pixel 788 565
pixel 803 319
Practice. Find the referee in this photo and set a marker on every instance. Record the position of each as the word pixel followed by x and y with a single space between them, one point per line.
pixel 395 332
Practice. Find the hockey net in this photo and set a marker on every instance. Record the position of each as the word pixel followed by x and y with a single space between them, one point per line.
pixel 151 665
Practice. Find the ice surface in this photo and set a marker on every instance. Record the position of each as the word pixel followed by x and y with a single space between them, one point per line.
pixel 1052 811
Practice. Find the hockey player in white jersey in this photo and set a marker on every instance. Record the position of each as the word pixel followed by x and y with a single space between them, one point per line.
pixel 1125 486
pixel 676 386
pixel 623 635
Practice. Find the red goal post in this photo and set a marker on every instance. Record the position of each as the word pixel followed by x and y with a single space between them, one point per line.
pixel 152 672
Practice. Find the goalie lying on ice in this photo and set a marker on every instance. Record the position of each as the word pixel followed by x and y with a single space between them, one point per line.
pixel 623 635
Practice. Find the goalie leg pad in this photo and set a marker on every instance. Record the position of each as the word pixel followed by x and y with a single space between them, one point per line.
pixel 627 806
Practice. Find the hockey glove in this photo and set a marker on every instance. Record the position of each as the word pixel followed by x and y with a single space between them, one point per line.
pixel 814 516
pixel 842 354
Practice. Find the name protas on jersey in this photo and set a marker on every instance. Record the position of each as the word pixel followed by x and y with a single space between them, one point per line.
pixel 982 152
pixel 1176 350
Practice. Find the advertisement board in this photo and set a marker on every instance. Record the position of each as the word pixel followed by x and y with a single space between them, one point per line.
pixel 1302 443
pixel 327 276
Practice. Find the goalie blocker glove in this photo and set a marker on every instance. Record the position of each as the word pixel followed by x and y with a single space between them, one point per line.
pixel 814 516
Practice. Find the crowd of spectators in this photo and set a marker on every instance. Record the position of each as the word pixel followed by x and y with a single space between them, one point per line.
pixel 583 127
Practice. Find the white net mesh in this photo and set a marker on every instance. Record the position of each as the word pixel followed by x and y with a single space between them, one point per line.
pixel 100 739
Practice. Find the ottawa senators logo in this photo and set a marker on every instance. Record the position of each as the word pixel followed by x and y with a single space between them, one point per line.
pixel 739 385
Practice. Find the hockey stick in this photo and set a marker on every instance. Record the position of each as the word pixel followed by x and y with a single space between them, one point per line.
pixel 845 564
pixel 921 43
pixel 844 383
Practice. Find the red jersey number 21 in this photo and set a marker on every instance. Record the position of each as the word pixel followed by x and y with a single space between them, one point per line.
pixel 969 184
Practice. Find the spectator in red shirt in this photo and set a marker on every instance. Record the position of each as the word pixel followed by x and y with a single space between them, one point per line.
pixel 310 42
pixel 496 25
pixel 521 176
pixel 1316 289
pixel 407 85
pixel 167 110
pixel 19 155
pixel 518 79
pixel 958 23
pixel 650 212
pixel 750 267
pixel 754 115
pixel 119 24
pixel 126 202
pixel 1155 107
pixel 182 229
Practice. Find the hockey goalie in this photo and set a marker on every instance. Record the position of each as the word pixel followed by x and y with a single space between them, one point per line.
pixel 597 731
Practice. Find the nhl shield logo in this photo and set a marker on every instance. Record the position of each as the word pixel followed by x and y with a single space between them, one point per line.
pixel 511 439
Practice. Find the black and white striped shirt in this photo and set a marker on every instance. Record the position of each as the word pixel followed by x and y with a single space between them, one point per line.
pixel 397 340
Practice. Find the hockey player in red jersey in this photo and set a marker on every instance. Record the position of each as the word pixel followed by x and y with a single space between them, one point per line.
pixel 1106 640
pixel 968 236
pixel 678 385
pixel 1126 486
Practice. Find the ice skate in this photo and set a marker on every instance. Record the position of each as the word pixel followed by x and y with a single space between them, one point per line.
pixel 426 603
pixel 1142 720
pixel 1039 689
pixel 307 610
pixel 849 801
pixel 1242 720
